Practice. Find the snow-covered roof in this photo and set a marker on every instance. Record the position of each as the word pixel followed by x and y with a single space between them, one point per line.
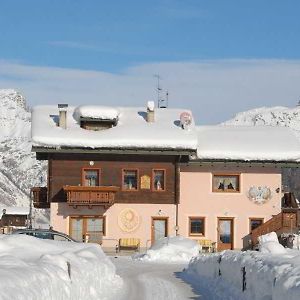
pixel 132 129
pixel 247 143
pixel 14 210
pixel 219 142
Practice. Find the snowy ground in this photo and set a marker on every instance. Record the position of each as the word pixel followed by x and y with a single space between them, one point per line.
pixel 32 269
pixel 153 281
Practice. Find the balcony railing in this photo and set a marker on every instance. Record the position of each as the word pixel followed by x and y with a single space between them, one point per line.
pixel 40 199
pixel 90 195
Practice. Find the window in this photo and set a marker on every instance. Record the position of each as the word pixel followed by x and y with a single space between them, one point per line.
pixel 90 229
pixel 226 183
pixel 130 180
pixel 197 226
pixel 254 223
pixel 158 180
pixel 91 177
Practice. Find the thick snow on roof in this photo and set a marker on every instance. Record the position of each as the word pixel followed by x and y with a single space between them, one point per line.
pixel 96 112
pixel 132 130
pixel 14 210
pixel 248 143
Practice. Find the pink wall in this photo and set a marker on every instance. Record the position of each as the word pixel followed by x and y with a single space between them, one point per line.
pixel 60 213
pixel 197 199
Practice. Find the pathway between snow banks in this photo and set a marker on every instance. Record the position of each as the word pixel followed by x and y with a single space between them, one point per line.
pixel 153 281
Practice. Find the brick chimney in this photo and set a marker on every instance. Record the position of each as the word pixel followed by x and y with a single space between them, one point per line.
pixel 150 111
pixel 62 122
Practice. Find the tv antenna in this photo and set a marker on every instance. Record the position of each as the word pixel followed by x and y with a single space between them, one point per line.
pixel 161 102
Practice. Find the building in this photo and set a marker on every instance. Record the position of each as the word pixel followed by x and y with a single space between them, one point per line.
pixel 148 173
pixel 12 217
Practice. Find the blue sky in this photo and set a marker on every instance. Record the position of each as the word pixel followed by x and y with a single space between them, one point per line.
pixel 117 38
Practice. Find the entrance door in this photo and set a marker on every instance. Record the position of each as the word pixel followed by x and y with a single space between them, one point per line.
pixel 159 228
pixel 225 234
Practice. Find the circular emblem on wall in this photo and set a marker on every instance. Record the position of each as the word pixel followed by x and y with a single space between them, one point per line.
pixel 260 194
pixel 128 220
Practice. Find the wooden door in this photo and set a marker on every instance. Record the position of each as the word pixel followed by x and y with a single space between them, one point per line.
pixel 159 228
pixel 225 234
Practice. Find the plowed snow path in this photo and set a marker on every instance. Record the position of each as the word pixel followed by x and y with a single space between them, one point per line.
pixel 152 281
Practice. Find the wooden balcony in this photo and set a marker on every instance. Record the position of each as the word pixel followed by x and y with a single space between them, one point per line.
pixel 288 221
pixel 40 198
pixel 90 195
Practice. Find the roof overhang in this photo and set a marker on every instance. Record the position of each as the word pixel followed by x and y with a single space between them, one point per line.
pixel 137 151
pixel 250 163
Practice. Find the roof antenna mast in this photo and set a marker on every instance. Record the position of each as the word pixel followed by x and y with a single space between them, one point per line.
pixel 161 102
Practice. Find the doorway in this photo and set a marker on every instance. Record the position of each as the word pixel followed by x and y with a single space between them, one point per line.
pixel 225 234
pixel 159 228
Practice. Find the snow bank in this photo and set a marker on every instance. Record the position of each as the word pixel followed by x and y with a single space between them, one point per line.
pixel 171 249
pixel 267 276
pixel 268 243
pixel 32 268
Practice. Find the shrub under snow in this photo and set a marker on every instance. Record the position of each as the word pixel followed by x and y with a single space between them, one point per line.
pixel 171 249
pixel 32 268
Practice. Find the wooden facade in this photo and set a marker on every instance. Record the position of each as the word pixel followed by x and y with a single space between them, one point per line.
pixel 67 170
pixel 13 220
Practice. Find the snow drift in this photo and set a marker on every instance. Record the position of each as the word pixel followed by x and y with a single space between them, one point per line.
pixel 32 268
pixel 268 243
pixel 171 249
pixel 267 276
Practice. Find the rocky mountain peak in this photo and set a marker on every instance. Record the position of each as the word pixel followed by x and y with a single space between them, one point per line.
pixel 12 99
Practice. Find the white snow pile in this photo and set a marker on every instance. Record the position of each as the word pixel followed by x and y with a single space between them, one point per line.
pixel 273 273
pixel 171 249
pixel 35 269
pixel 95 112
pixel 296 241
pixel 268 243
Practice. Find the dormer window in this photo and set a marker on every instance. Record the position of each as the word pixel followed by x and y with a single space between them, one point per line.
pixel 96 117
pixel 97 124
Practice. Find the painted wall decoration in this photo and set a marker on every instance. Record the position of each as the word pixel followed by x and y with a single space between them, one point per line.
pixel 260 194
pixel 128 220
pixel 145 182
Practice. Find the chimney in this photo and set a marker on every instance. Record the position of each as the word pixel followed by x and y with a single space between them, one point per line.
pixel 150 111
pixel 62 122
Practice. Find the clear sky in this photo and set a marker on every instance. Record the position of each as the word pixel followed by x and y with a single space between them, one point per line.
pixel 50 48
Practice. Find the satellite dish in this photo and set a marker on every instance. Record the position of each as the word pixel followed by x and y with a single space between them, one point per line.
pixel 186 120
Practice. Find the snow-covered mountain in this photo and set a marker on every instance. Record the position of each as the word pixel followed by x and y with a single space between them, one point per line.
pixel 275 116
pixel 271 116
pixel 19 170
